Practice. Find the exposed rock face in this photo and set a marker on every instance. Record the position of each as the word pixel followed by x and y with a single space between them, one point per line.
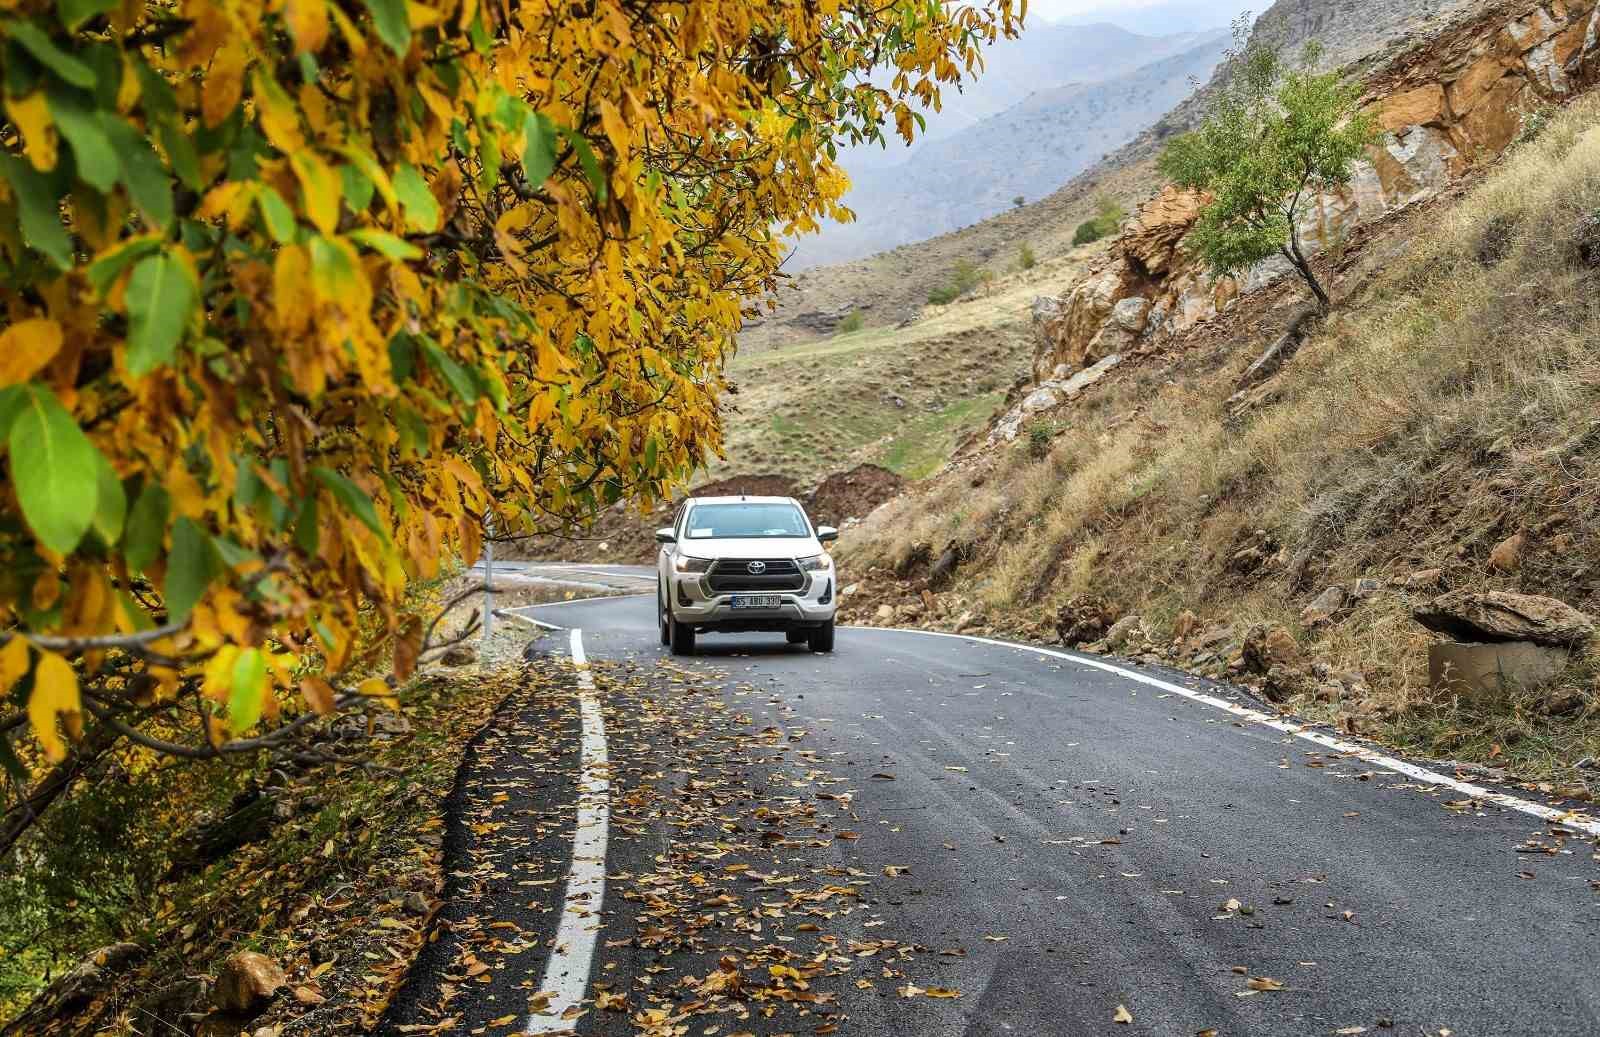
pixel 1448 101
pixel 1500 616
pixel 1266 647
pixel 1048 396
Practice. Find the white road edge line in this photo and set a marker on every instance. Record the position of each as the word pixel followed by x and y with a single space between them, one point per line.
pixel 566 974
pixel 1565 818
pixel 577 601
pixel 541 624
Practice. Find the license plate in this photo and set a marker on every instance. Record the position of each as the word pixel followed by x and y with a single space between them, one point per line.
pixel 757 601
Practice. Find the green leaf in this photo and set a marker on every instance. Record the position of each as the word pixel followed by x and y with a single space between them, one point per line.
pixel 146 528
pixel 386 244
pixel 38 43
pixel 39 210
pixel 111 504
pixel 538 149
pixel 307 533
pixel 190 569
pixel 148 183
pixel 160 300
pixel 277 214
pixel 98 165
pixel 106 269
pixel 358 187
pixel 53 470
pixel 73 13
pixel 461 382
pixel 248 684
pixel 422 209
pixel 353 497
pixel 394 27
pixel 591 165
pixel 181 154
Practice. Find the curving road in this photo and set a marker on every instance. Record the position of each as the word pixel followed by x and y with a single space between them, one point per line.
pixel 1145 840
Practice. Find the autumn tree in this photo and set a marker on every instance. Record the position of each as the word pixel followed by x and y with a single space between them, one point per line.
pixel 298 292
pixel 1275 135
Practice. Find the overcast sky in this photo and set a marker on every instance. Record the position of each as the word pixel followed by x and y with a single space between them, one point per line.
pixel 1147 15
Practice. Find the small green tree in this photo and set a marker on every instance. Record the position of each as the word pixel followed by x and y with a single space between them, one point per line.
pixel 1274 137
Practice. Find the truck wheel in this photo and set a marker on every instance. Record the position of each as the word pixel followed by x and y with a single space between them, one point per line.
pixel 821 638
pixel 682 637
pixel 661 617
pixel 797 637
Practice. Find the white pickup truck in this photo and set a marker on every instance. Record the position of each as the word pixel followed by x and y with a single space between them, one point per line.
pixel 737 564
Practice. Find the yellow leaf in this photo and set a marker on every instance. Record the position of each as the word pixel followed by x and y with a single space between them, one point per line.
pixel 26 347
pixel 275 110
pixel 308 23
pixel 224 84
pixel 322 189
pixel 1122 1015
pixel 55 694
pixel 13 662
pixel 318 694
pixel 31 115
pixel 1264 983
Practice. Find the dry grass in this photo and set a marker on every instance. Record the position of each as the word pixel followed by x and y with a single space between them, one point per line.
pixel 1449 403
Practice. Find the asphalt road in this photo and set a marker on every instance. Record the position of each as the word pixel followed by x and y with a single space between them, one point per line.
pixel 1091 843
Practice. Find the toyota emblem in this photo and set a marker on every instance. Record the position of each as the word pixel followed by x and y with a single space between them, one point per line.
pixel 757 568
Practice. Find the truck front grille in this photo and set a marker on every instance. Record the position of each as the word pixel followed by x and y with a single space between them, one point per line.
pixel 733 576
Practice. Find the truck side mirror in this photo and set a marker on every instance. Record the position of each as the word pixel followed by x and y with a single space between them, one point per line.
pixel 827 534
pixel 664 535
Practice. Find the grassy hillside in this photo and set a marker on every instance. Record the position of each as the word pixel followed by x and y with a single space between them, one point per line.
pixel 901 397
pixel 1448 405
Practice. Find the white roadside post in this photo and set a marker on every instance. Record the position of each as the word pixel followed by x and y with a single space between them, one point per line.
pixel 488 576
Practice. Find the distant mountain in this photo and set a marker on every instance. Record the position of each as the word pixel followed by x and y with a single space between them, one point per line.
pixel 960 174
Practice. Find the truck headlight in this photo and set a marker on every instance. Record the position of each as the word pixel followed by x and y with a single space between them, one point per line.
pixel 685 564
pixel 816 563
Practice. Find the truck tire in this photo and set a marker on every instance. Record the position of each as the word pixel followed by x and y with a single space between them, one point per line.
pixel 821 638
pixel 682 637
pixel 797 637
pixel 661 617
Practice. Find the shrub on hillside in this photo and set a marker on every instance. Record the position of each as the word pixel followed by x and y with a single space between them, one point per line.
pixel 1026 259
pixel 852 323
pixel 963 279
pixel 1107 218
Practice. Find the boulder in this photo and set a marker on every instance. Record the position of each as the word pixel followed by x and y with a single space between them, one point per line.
pixel 246 981
pixel 1123 631
pixel 1324 608
pixel 1486 673
pixel 458 655
pixel 1084 619
pixel 1268 646
pixel 1131 314
pixel 885 614
pixel 1501 616
pixel 1507 554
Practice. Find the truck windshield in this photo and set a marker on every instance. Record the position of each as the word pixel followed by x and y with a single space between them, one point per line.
pixel 745 521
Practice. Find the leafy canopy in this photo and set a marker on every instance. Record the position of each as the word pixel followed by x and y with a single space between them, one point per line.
pixel 1274 136
pixel 296 292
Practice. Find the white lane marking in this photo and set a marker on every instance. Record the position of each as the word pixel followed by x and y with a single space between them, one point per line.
pixel 566 975
pixel 1565 818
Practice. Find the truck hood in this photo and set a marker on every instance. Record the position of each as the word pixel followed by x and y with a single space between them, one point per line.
pixel 755 547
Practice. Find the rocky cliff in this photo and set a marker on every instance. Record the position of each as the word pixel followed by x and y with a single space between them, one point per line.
pixel 1450 97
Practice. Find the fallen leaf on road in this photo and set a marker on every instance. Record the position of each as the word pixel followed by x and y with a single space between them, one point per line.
pixel 944 992
pixel 1122 1015
pixel 909 990
pixel 1264 983
pixel 894 871
pixel 884 777
pixel 997 939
